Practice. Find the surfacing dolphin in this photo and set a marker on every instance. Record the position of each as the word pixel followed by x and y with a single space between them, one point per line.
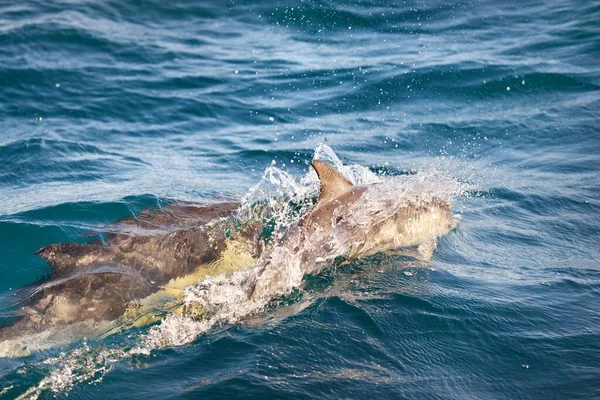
pixel 95 285
pixel 132 277
pixel 348 222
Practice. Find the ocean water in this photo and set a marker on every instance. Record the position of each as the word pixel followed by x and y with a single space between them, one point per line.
pixel 109 107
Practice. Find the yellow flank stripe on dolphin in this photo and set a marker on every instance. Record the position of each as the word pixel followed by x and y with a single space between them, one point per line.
pixel 169 298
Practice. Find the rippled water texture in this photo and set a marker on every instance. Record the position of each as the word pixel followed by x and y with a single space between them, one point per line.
pixel 109 107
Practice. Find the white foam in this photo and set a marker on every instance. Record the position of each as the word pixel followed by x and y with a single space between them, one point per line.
pixel 83 364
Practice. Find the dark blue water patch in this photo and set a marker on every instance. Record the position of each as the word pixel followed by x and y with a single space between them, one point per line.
pixel 457 334
pixel 27 232
pixel 218 359
pixel 295 162
pixel 156 10
pixel 40 38
pixel 536 241
pixel 535 83
pixel 493 313
pixel 62 91
pixel 19 265
pixel 550 162
pixel 322 19
pixel 92 212
pixel 349 91
pixel 542 205
pixel 25 162
pixel 178 86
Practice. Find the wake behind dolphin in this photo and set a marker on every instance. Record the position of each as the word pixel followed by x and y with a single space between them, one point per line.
pixel 100 288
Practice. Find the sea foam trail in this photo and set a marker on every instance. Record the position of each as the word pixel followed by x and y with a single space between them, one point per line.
pixel 225 299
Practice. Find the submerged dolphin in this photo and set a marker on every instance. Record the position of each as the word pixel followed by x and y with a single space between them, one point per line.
pixel 350 222
pixel 99 288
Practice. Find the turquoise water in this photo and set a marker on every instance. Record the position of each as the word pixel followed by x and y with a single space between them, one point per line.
pixel 110 107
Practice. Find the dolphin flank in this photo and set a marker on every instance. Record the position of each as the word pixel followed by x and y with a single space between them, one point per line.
pixel 99 288
pixel 351 222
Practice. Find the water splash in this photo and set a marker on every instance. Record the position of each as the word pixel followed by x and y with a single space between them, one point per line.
pixel 83 364
pixel 283 200
pixel 223 299
pixel 404 190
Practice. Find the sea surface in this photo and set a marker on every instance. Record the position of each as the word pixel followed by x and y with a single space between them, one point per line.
pixel 108 107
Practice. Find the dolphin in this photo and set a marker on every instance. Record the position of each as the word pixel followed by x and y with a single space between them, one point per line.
pixel 99 288
pixel 349 222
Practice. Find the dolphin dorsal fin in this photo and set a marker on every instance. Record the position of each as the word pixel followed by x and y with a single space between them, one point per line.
pixel 332 182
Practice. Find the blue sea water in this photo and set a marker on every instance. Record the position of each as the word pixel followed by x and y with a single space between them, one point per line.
pixel 109 107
